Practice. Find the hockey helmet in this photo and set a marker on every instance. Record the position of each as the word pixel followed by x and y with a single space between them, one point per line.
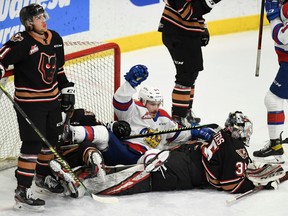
pixel 28 12
pixel 239 126
pixel 150 94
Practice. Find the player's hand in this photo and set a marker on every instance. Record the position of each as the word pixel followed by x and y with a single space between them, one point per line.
pixel 205 37
pixel 203 133
pixel 272 9
pixel 136 75
pixel 67 97
pixel 154 140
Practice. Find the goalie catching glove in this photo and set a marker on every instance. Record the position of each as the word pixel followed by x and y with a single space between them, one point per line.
pixel 136 75
pixel 154 140
pixel 267 176
pixel 67 96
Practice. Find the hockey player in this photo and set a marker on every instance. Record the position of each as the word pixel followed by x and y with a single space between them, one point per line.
pixel 277 14
pixel 223 163
pixel 37 55
pixel 143 116
pixel 184 33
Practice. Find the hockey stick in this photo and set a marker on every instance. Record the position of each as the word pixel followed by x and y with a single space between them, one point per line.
pixel 254 190
pixel 260 38
pixel 21 111
pixel 214 126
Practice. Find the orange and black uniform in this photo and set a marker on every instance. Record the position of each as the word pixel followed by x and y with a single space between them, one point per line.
pixel 183 26
pixel 38 78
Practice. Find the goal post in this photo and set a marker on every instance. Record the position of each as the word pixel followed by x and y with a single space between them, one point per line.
pixel 94 68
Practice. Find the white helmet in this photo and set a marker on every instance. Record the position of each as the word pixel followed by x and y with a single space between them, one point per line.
pixel 150 94
pixel 239 126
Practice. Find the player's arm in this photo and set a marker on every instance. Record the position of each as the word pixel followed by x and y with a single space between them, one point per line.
pixel 201 7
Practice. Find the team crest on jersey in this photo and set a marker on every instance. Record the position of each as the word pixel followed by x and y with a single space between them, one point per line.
pixel 47 67
pixel 33 49
pixel 146 116
pixel 16 37
pixel 242 153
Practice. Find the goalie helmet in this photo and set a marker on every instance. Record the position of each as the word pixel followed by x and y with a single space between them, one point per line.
pixel 239 126
pixel 150 94
pixel 28 12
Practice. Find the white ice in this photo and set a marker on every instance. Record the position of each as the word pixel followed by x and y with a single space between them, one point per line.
pixel 227 84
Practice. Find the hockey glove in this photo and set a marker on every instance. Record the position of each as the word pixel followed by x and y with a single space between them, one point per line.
pixel 136 75
pixel 203 133
pixel 121 129
pixel 2 71
pixel 154 140
pixel 272 9
pixel 67 97
pixel 205 37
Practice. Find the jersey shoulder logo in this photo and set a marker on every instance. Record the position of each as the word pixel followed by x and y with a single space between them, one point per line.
pixel 17 37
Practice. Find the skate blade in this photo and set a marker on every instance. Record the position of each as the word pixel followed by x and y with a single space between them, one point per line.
pixel 25 207
pixel 278 159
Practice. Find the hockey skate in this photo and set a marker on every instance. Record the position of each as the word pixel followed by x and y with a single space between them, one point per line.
pixel 25 200
pixel 48 185
pixel 181 121
pixel 191 118
pixel 271 153
pixel 71 186
pixel 97 163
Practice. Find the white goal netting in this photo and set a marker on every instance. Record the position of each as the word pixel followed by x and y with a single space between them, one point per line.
pixel 95 70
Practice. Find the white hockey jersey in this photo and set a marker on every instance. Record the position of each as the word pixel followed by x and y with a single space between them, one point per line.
pixel 137 115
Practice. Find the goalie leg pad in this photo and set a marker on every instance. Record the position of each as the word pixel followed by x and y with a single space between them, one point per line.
pixel 265 175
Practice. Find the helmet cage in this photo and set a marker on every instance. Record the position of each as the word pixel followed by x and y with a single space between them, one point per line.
pixel 239 126
pixel 150 94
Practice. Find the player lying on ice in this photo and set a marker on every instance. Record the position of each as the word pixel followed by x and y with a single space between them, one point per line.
pixel 222 163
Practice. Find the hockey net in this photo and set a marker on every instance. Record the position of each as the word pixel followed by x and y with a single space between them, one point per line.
pixel 93 67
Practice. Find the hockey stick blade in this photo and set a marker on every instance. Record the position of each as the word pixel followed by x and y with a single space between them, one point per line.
pixel 254 190
pixel 104 199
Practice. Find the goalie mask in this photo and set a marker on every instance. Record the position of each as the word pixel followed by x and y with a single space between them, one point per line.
pixel 239 126
pixel 150 94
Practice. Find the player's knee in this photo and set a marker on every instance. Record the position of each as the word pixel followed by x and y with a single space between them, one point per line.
pixel 273 102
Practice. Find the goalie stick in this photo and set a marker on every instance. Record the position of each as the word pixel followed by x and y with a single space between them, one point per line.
pixel 21 111
pixel 254 190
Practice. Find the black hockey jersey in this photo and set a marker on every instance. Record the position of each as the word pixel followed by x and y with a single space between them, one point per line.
pixel 225 160
pixel 38 66
pixel 178 18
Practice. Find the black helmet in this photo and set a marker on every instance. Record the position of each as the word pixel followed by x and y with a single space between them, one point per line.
pixel 28 12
